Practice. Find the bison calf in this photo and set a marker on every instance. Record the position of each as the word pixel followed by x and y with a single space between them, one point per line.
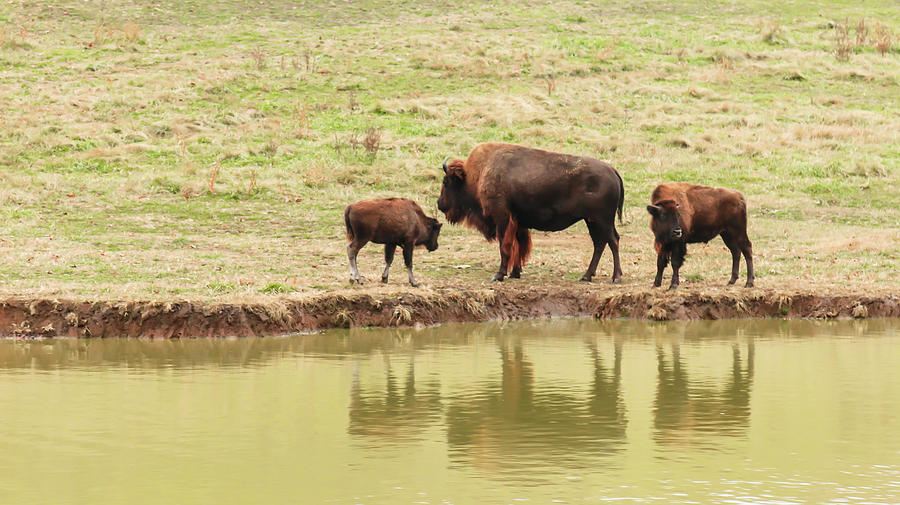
pixel 392 222
pixel 686 213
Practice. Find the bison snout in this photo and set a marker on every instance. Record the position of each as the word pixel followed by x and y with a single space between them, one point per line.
pixel 677 233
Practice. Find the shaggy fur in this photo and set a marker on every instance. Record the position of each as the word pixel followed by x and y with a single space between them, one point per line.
pixel 504 190
pixel 683 214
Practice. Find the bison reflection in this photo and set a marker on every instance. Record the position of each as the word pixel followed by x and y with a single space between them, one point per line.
pixel 398 413
pixel 513 421
pixel 684 407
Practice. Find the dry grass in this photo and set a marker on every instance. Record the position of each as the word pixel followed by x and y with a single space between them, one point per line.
pixel 843 44
pixel 211 158
pixel 401 315
pixel 771 32
pixel 883 38
pixel 131 31
pixel 862 32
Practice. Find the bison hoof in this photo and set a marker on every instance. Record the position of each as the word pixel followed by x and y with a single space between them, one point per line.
pixel 384 280
pixel 515 275
pixel 355 281
pixel 497 278
pixel 748 285
pixel 584 278
pixel 616 280
pixel 673 287
pixel 414 284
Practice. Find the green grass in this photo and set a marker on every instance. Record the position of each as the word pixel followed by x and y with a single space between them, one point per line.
pixel 108 144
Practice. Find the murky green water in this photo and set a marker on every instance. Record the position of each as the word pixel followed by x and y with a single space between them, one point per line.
pixel 574 411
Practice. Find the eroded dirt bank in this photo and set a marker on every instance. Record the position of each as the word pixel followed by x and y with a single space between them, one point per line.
pixel 49 318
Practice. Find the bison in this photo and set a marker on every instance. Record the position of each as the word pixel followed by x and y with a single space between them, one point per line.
pixel 392 222
pixel 686 214
pixel 504 190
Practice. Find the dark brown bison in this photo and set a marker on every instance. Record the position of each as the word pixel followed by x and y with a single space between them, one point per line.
pixel 392 222
pixel 686 213
pixel 503 190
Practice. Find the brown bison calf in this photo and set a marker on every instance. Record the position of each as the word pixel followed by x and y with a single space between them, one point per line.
pixel 392 222
pixel 686 214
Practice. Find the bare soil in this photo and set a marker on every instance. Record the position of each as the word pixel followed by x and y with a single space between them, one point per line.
pixel 28 318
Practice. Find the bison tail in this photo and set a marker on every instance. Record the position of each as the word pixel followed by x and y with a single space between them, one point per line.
pixel 518 240
pixel 621 194
pixel 350 233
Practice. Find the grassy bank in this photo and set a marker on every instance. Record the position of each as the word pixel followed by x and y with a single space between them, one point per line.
pixel 205 150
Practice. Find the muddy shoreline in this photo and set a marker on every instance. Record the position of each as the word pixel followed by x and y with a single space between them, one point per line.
pixel 25 318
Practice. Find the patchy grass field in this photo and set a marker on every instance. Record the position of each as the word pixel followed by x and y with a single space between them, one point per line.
pixel 206 150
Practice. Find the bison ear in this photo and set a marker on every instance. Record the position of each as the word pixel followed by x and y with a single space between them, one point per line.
pixel 653 210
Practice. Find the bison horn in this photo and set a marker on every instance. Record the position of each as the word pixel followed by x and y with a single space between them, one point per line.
pixel 445 164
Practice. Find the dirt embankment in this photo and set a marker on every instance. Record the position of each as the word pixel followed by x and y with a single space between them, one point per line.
pixel 50 318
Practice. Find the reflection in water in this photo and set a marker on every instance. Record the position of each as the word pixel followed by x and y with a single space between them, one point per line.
pixel 63 353
pixel 146 354
pixel 506 425
pixel 683 408
pixel 592 411
pixel 58 354
pixel 398 413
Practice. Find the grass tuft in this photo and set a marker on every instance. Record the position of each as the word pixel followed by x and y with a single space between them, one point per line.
pixel 276 288
pixel 401 315
pixel 771 32
pixel 883 38
pixel 843 45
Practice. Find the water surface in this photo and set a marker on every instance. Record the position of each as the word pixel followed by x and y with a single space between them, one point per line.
pixel 569 411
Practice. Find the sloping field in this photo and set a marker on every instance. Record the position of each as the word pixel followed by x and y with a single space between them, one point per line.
pixel 204 151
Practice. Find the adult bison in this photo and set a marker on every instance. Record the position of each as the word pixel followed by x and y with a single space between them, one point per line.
pixel 392 222
pixel 686 213
pixel 503 190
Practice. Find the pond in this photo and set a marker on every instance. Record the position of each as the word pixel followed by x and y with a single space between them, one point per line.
pixel 561 411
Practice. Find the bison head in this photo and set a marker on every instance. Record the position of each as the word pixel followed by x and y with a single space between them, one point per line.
pixel 665 223
pixel 434 229
pixel 456 202
pixel 459 203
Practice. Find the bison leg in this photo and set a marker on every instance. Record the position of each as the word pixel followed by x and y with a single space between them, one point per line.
pixel 389 250
pixel 599 238
pixel 735 249
pixel 678 253
pixel 662 261
pixel 613 242
pixel 407 259
pixel 747 249
pixel 505 251
pixel 352 250
pixel 523 241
